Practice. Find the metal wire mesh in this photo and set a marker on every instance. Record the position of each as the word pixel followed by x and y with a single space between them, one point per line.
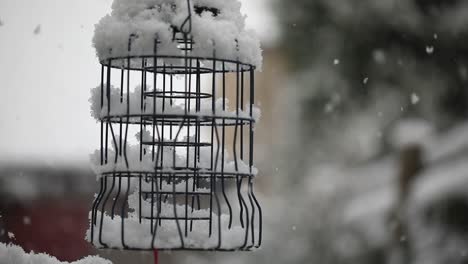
pixel 187 181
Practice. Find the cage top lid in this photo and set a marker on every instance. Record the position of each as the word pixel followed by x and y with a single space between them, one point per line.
pixel 218 29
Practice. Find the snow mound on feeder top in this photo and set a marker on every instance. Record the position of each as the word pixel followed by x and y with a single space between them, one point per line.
pixel 223 32
pixel 15 255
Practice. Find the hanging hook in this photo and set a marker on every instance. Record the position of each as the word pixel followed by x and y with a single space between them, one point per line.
pixel 188 21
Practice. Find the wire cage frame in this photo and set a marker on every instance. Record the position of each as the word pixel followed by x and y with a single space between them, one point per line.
pixel 186 183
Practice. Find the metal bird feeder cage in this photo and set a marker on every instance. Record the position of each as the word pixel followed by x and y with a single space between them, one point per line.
pixel 185 181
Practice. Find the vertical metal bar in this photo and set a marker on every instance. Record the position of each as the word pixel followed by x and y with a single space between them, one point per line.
pixel 251 155
pixel 252 101
pixel 102 122
pixel 155 83
pixel 128 108
pixel 246 214
pixel 162 138
pixel 122 214
pixel 108 89
pixel 142 94
pixel 158 211
pixel 223 147
pixel 102 215
pixel 152 203
pixel 252 219
pixel 117 196
pixel 122 74
pixel 139 197
pixel 215 193
pixel 260 216
pixel 242 109
pixel 187 90
pixel 174 201
pixel 213 121
pixel 95 208
pixel 234 145
pixel 174 182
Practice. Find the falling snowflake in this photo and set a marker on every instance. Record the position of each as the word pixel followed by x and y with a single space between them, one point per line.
pixel 365 80
pixel 336 61
pixel 379 56
pixel 26 220
pixel 11 235
pixel 429 49
pixel 414 98
pixel 37 30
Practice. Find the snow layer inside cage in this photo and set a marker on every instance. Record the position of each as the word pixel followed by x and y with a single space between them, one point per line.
pixel 176 108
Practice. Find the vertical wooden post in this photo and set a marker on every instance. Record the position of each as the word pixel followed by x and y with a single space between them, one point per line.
pixel 410 165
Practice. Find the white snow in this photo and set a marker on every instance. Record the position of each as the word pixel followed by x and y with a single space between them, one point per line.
pixel 11 254
pixel 429 49
pixel 133 151
pixel 445 176
pixel 138 234
pixel 224 37
pixel 379 56
pixel 441 181
pixel 148 165
pixel 410 131
pixel 121 108
pixel 224 34
pixel 414 98
pixel 26 220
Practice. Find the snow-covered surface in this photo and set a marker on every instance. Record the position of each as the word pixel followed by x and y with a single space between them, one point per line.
pixel 11 254
pixel 222 36
pixel 445 175
pixel 408 132
pixel 170 107
pixel 436 181
pixel 133 163
pixel 148 19
pixel 138 234
pixel 435 147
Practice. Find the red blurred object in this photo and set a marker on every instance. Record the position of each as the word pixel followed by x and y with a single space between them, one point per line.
pixel 56 227
pixel 156 256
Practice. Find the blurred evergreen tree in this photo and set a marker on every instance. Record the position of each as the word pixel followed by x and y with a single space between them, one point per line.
pixel 361 65
pixel 362 51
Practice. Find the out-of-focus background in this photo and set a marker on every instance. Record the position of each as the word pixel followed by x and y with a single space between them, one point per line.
pixel 362 146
